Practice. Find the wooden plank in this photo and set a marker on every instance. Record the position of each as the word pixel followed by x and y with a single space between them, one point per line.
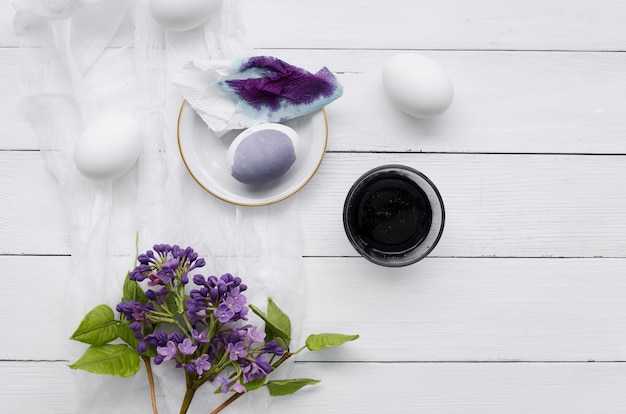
pixel 7 35
pixel 497 205
pixel 31 207
pixel 436 310
pixel 435 24
pixel 16 131
pixel 504 102
pixel 376 388
pixel 432 24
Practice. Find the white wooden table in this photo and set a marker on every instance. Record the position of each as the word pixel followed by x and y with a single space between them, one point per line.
pixel 522 306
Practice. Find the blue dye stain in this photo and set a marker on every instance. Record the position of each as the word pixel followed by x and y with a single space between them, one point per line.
pixel 269 85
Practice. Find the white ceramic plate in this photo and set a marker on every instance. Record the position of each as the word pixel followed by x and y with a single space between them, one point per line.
pixel 204 154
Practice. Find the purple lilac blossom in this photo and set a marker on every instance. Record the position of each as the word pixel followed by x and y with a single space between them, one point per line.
pixel 202 364
pixel 161 340
pixel 224 382
pixel 213 293
pixel 158 296
pixel 257 369
pixel 142 346
pixel 134 311
pixel 272 347
pixel 137 315
pixel 200 337
pixel 237 387
pixel 237 350
pixel 187 347
pixel 170 265
pixel 226 386
pixel 224 313
pixel 168 269
pixel 253 361
pixel 244 345
pixel 167 352
pixel 256 335
pixel 157 338
pixel 191 367
pixel 237 298
pixel 263 363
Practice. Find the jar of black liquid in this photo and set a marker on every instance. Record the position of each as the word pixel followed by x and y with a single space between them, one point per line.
pixel 393 215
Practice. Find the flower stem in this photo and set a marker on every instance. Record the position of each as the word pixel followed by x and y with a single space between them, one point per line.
pixel 234 397
pixel 226 403
pixel 285 357
pixel 187 400
pixel 146 361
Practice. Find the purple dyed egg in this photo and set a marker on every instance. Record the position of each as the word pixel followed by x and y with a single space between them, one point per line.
pixel 262 153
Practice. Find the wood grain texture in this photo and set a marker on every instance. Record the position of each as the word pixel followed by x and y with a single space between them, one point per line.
pixel 435 310
pixel 46 388
pixel 16 131
pixel 34 218
pixel 7 35
pixel 432 24
pixel 496 205
pixel 435 24
pixel 506 102
pixel 528 282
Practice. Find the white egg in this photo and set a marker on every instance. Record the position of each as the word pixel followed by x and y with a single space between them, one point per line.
pixel 417 85
pixel 109 147
pixel 262 153
pixel 181 15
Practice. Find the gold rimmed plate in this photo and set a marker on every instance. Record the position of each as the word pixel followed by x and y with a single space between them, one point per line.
pixel 204 155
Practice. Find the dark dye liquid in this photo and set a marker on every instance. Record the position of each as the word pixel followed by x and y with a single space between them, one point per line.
pixel 390 213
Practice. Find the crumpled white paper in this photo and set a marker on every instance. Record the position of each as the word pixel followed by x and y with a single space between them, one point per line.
pixel 196 83
pixel 201 83
pixel 82 59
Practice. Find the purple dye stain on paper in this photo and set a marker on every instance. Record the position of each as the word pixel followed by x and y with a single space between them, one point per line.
pixel 274 85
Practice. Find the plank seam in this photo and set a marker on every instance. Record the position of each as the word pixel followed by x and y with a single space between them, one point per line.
pixel 560 154
pixel 451 362
pixel 381 49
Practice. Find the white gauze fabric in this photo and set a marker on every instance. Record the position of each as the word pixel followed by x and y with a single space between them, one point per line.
pixel 83 59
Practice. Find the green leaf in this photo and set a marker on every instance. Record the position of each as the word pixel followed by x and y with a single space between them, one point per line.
pixel 254 384
pixel 133 291
pixel 277 323
pixel 271 330
pixel 98 327
pixel 285 387
pixel 119 360
pixel 278 317
pixel 128 335
pixel 327 340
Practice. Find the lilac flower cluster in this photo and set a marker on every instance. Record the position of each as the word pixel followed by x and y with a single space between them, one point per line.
pixel 183 350
pixel 219 297
pixel 248 352
pixel 168 267
pixel 207 337
pixel 138 315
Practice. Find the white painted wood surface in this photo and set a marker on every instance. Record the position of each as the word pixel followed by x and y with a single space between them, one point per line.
pixel 433 388
pixel 511 102
pixel 497 205
pixel 528 284
pixel 443 309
